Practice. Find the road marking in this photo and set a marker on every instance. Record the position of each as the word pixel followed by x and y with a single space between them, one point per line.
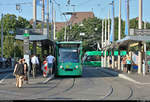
pixel 9 92
pixel 49 78
pixel 5 77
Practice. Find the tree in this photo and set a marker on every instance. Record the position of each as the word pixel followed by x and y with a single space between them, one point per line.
pixel 23 23
pixel 10 23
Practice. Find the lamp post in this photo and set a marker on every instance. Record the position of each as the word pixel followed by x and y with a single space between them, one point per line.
pixel 119 33
pixel 140 27
pixel 2 35
pixel 113 63
pixel 81 33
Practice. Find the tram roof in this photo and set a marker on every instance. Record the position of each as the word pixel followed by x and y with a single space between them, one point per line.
pixel 69 42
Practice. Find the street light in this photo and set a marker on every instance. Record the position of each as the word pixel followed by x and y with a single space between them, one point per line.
pixel 81 33
pixel 95 29
pixel 112 20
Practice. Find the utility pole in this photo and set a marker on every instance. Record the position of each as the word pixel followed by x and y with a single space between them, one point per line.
pixel 43 14
pixel 128 12
pixel 105 61
pixel 105 32
pixel 34 23
pixel 65 33
pixel 34 14
pixel 108 59
pixel 102 60
pixel 2 35
pixel 102 33
pixel 140 45
pixel 48 19
pixel 140 13
pixel 26 50
pixel 146 66
pixel 113 28
pixel 119 33
pixel 109 27
pixel 52 24
pixel 119 26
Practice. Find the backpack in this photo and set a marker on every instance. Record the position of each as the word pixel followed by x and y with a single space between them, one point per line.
pixel 19 69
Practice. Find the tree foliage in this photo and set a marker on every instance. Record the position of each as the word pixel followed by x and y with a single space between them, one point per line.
pixel 92 35
pixel 11 23
pixel 92 28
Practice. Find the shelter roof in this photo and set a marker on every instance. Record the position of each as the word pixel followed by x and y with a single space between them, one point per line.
pixel 32 37
pixel 132 39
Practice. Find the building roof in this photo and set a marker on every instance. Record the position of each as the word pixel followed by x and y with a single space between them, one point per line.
pixel 37 21
pixel 78 17
pixel 59 25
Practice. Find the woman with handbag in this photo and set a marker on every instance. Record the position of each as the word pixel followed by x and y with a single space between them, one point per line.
pixel 19 73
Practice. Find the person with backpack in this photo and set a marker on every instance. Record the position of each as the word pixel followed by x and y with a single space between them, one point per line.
pixel 19 73
pixel 25 71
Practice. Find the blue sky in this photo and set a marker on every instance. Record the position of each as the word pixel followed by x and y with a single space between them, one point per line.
pixel 99 7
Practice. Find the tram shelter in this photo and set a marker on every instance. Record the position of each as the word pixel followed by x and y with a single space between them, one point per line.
pixel 39 38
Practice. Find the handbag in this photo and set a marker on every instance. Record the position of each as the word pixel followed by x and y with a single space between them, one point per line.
pixel 25 78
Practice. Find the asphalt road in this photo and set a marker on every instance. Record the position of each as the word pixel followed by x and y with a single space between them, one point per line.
pixel 93 85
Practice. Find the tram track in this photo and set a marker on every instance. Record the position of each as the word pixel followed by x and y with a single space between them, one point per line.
pixel 71 88
pixel 84 85
pixel 124 92
pixel 131 93
pixel 115 89
pixel 108 94
pixel 57 90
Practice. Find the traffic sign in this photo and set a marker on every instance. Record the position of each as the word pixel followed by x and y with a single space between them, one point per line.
pixel 123 53
pixel 26 34
pixel 148 53
pixel 115 53
pixel 140 32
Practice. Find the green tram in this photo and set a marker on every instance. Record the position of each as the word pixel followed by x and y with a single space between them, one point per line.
pixel 68 56
pixel 92 58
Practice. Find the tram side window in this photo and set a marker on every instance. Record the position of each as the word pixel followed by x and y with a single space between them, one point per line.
pixel 93 58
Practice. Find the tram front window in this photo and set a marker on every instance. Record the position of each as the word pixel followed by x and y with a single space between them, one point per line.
pixel 68 56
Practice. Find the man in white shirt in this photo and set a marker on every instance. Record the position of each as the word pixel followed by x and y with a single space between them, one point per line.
pixel 35 63
pixel 50 59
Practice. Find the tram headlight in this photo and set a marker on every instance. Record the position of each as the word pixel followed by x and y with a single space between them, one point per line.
pixel 61 67
pixel 76 67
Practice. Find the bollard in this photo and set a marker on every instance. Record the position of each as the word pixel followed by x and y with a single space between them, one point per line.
pixel 143 68
pixel 121 66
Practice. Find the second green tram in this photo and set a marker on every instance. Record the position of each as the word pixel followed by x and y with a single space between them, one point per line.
pixel 92 58
pixel 68 55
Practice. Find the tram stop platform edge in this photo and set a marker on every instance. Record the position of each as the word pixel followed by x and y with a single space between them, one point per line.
pixel 133 76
